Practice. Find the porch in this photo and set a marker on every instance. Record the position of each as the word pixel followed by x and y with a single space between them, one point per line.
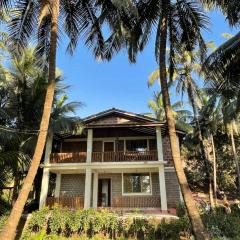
pixel 119 189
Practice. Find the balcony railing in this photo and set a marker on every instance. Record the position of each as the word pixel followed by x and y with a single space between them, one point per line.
pixel 80 157
pixel 68 202
pixel 76 157
pixel 128 156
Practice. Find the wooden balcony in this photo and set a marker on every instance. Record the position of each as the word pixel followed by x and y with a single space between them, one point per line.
pixel 80 157
pixel 136 202
pixel 129 156
pixel 76 157
pixel 67 202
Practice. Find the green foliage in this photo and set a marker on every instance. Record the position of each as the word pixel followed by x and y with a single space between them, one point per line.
pixel 222 225
pixel 181 210
pixel 91 224
pixel 3 220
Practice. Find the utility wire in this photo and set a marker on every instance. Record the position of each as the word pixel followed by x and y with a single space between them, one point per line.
pixel 15 130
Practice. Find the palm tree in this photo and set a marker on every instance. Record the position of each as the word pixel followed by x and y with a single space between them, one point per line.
pixel 183 117
pixel 178 23
pixel 222 69
pixel 78 17
pixel 23 107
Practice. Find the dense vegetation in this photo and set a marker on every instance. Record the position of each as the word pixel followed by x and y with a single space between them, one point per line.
pixel 91 224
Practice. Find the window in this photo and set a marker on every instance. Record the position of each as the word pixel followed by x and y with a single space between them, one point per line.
pixel 136 145
pixel 139 183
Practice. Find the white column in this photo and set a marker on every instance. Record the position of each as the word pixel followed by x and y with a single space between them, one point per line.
pixel 89 145
pixel 58 185
pixel 95 189
pixel 159 144
pixel 87 195
pixel 181 196
pixel 48 147
pixel 44 188
pixel 162 186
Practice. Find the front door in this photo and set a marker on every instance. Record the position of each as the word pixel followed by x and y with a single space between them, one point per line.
pixel 104 192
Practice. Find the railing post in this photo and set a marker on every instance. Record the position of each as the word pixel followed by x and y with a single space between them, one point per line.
pixel 89 145
pixel 159 144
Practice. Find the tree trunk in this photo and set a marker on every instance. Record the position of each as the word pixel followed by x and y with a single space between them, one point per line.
pixel 10 228
pixel 204 149
pixel 198 227
pixel 235 154
pixel 214 170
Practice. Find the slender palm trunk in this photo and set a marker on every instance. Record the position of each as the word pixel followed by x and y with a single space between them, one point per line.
pixel 235 154
pixel 203 147
pixel 9 230
pixel 214 170
pixel 198 227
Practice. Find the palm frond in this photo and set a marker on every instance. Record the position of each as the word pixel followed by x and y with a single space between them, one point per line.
pixel 23 23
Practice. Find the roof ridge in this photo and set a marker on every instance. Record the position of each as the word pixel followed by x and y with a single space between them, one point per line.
pixel 108 111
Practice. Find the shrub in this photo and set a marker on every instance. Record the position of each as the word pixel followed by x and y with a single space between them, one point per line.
pixel 181 210
pixel 222 225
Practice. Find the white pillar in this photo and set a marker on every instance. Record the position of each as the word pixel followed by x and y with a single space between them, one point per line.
pixel 159 144
pixel 89 145
pixel 48 148
pixel 95 189
pixel 181 196
pixel 162 186
pixel 44 188
pixel 58 185
pixel 87 195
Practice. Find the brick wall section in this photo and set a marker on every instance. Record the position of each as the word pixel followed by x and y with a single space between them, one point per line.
pixel 167 153
pixel 72 185
pixel 172 188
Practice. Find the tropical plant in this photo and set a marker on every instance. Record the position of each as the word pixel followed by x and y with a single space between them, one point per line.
pixel 78 17
pixel 22 108
pixel 183 117
pixel 178 23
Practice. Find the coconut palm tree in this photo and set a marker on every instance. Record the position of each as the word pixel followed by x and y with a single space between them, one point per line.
pixel 22 109
pixel 177 23
pixel 183 117
pixel 78 17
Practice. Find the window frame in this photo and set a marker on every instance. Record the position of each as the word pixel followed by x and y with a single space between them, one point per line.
pixel 139 193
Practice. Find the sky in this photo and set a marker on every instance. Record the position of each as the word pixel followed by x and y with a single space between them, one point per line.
pixel 118 83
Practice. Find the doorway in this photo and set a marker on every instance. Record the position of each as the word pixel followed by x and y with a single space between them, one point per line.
pixel 104 192
pixel 108 149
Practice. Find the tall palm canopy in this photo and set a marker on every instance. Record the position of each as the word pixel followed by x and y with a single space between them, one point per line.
pixel 178 24
pixel 77 19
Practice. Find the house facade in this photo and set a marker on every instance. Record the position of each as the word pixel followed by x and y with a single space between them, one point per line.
pixel 120 160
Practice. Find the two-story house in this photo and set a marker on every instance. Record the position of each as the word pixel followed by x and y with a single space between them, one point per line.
pixel 120 160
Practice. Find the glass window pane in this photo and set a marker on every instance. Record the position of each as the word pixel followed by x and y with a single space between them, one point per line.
pixel 136 183
pixel 136 145
pixel 127 184
pixel 145 183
